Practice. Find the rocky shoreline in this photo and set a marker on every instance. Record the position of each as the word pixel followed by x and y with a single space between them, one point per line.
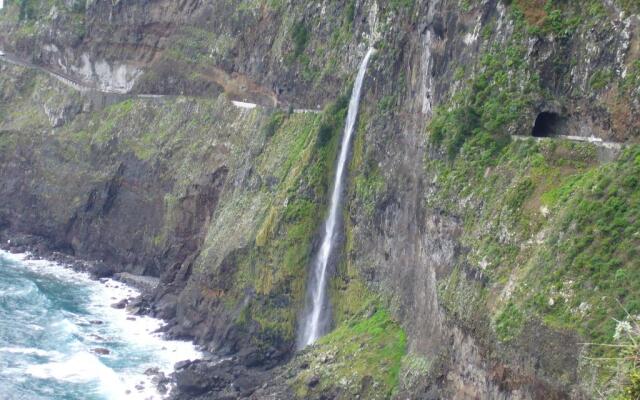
pixel 38 249
pixel 210 377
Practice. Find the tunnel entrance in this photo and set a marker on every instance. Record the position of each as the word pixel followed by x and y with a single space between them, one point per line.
pixel 547 125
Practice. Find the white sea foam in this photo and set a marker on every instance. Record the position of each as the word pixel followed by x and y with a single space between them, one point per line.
pixel 18 292
pixel 79 368
pixel 142 331
pixel 45 267
pixel 30 351
pixel 136 335
pixel 84 367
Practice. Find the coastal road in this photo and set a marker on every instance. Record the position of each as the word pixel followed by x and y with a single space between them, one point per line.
pixel 64 78
pixel 591 139
pixel 85 87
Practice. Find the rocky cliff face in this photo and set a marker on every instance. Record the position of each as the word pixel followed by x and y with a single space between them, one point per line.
pixel 492 214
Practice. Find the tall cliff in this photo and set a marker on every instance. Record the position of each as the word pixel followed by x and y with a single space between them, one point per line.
pixel 492 217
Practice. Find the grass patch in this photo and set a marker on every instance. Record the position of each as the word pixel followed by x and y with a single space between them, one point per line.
pixel 508 323
pixel 300 36
pixel 365 358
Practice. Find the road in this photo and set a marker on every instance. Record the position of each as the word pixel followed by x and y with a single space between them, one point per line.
pixel 64 78
pixel 592 139
pixel 86 87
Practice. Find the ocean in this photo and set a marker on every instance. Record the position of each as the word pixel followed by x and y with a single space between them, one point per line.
pixel 61 339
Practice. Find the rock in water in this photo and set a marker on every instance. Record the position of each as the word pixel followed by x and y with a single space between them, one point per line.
pixel 121 304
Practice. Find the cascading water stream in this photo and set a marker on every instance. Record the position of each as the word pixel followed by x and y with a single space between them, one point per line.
pixel 315 321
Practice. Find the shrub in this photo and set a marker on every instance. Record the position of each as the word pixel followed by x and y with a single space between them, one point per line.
pixel 333 120
pixel 600 79
pixel 509 322
pixel 28 9
pixel 300 38
pixel 274 123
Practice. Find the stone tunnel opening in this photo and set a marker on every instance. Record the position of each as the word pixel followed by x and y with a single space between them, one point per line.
pixel 547 125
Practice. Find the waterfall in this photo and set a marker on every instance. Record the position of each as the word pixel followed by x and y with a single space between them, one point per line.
pixel 316 320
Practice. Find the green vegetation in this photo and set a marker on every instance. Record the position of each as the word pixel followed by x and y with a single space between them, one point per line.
pixel 193 45
pixel 509 322
pixel 28 9
pixel 275 121
pixel 464 300
pixel 495 100
pixel 401 5
pixel 631 82
pixel 597 206
pixel 387 103
pixel 367 187
pixel 632 387
pixel 367 182
pixel 365 358
pixel 580 221
pixel 600 79
pixel 276 266
pixel 592 255
pixel 24 18
pixel 300 36
pixel 272 222
pixel 333 121
pixel 554 232
pixel 563 18
pixel 627 338
pixel 414 368
pixel 350 11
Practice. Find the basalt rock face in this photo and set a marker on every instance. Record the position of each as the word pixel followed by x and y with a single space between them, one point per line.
pixel 463 273
pixel 80 192
pixel 193 47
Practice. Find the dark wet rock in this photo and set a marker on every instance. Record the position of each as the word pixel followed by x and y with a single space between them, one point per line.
pixel 182 364
pixel 136 302
pixel 163 386
pixel 162 382
pixel 101 351
pixel 96 322
pixel 197 378
pixel 121 304
pixel 145 283
pixel 160 377
pixel 101 270
pixel 217 379
pixel 152 371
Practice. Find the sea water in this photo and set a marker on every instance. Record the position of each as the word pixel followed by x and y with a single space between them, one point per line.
pixel 52 321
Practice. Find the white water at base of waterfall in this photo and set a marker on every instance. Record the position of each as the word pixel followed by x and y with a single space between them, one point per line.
pixel 315 321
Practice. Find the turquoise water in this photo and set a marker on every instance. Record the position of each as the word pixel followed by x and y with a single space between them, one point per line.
pixel 52 320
